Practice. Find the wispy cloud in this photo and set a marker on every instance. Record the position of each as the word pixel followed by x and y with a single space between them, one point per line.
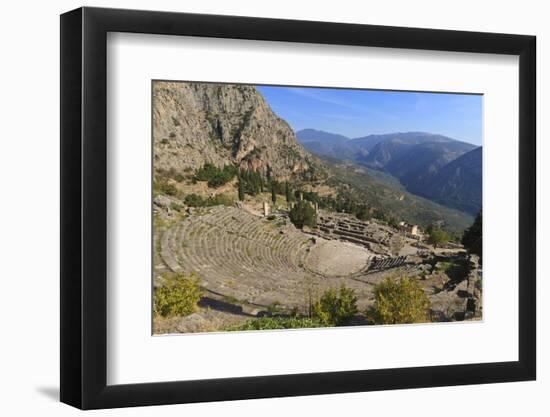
pixel 356 113
pixel 315 94
pixel 339 116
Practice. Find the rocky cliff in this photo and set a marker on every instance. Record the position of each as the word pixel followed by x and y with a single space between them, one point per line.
pixel 196 123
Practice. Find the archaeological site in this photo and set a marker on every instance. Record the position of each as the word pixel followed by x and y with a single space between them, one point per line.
pixel 259 227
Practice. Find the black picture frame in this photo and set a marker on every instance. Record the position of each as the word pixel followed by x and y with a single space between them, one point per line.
pixel 84 207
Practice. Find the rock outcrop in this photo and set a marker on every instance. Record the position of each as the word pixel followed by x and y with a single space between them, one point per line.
pixel 197 123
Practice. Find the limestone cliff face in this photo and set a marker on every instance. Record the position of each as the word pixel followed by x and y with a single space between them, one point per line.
pixel 195 123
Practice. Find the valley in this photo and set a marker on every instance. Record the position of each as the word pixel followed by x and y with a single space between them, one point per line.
pixel 438 168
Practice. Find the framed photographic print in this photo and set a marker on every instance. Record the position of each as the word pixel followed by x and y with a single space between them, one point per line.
pixel 257 208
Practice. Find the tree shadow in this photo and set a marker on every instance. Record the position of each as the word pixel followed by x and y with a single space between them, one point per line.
pixel 458 271
pixel 224 306
pixel 358 320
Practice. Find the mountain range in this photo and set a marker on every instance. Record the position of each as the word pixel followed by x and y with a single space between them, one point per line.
pixel 229 124
pixel 433 166
pixel 458 184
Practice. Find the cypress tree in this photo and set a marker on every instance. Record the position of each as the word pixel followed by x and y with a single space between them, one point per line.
pixel 288 193
pixel 472 238
pixel 273 193
pixel 255 182
pixel 303 214
pixel 241 190
pixel 261 183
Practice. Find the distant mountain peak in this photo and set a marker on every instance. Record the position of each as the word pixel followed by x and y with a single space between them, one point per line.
pixel 319 135
pixel 325 144
pixel 417 159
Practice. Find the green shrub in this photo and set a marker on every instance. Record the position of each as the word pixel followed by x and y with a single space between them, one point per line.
pixel 399 301
pixel 220 200
pixel 178 296
pixel 163 175
pixel 336 307
pixel 277 322
pixel 176 206
pixel 251 182
pixel 303 214
pixel 206 172
pixel 311 196
pixel 162 186
pixel 194 200
pixel 217 181
pixel 215 176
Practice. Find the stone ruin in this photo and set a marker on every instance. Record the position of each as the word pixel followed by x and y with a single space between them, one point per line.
pixel 249 262
pixel 374 237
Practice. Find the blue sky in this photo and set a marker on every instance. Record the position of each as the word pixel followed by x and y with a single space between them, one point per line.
pixel 356 113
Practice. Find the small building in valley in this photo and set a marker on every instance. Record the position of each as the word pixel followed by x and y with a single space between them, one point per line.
pixel 411 229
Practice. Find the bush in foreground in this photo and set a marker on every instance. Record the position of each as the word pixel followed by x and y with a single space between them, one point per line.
pixel 336 307
pixel 277 322
pixel 178 296
pixel 399 301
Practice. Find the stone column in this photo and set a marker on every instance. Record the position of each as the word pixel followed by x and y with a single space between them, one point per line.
pixel 266 209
